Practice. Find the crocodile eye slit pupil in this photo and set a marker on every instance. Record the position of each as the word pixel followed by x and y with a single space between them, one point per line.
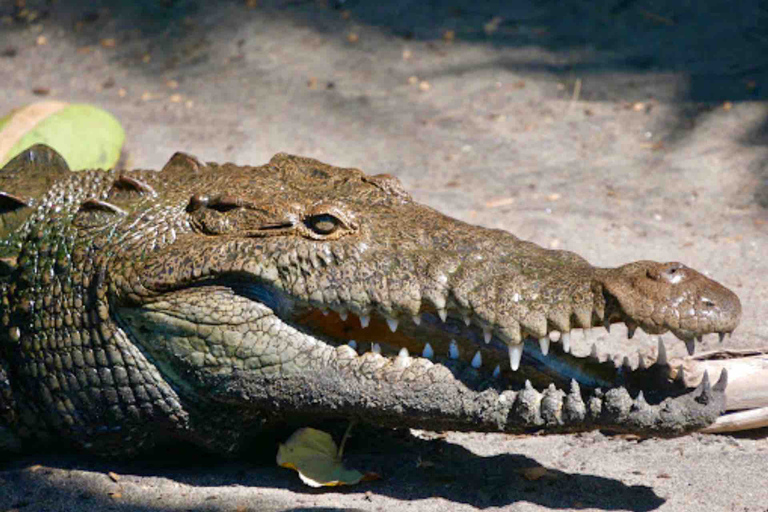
pixel 323 224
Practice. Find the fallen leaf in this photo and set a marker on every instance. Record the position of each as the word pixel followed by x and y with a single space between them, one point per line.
pixel 314 455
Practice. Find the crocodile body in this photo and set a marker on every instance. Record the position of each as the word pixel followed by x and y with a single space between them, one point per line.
pixel 206 302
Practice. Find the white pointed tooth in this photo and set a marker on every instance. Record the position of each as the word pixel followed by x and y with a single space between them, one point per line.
pixel 365 320
pixel 662 351
pixel 566 341
pixel 416 319
pixel 428 352
pixel 453 350
pixel 640 362
pixel 690 345
pixel 496 371
pixel 376 348
pixel 467 320
pixel 477 361
pixel 515 354
pixel 554 336
pixel 443 314
pixel 487 334
pixel 392 323
pixel 353 344
pixel 343 314
pixel 544 345
pixel 402 358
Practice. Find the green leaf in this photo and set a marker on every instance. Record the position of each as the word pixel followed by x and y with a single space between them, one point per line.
pixel 86 136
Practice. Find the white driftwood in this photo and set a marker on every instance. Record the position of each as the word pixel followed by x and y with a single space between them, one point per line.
pixel 747 375
pixel 747 390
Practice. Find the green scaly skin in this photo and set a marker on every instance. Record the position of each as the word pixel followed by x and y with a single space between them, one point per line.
pixel 207 301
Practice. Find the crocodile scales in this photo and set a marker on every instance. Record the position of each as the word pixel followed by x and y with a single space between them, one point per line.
pixel 205 302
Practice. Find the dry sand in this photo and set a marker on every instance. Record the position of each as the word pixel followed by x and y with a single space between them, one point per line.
pixel 620 130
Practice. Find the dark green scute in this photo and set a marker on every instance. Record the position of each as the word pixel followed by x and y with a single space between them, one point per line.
pixel 24 180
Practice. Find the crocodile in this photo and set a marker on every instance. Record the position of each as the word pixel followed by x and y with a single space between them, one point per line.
pixel 207 303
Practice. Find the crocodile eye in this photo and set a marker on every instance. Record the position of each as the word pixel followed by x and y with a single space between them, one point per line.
pixel 323 224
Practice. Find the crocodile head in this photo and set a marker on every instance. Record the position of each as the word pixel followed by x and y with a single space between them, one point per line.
pixel 238 296
pixel 300 270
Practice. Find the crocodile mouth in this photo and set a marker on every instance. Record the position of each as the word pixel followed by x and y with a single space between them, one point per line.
pixel 474 354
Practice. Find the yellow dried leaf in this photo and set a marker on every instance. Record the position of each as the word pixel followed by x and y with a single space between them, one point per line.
pixel 314 455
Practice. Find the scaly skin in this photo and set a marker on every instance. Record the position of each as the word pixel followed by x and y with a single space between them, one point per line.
pixel 206 302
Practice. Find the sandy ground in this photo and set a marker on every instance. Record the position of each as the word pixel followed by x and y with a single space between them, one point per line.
pixel 620 130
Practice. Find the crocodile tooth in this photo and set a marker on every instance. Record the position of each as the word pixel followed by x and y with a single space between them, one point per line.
pixel 566 341
pixel 721 335
pixel 353 344
pixel 680 377
pixel 544 345
pixel 392 323
pixel 467 320
pixel 631 328
pixel 640 400
pixel 365 320
pixel 690 346
pixel 443 314
pixel 662 352
pixel 428 352
pixel 535 324
pixel 343 314
pixel 705 388
pixel 722 382
pixel 560 319
pixel 555 336
pixel 593 353
pixel 453 350
pixel 416 319
pixel 477 361
pixel 599 310
pixel 402 358
pixel 640 362
pixel 496 371
pixel 515 354
pixel 376 348
pixel 584 316
pixel 487 334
